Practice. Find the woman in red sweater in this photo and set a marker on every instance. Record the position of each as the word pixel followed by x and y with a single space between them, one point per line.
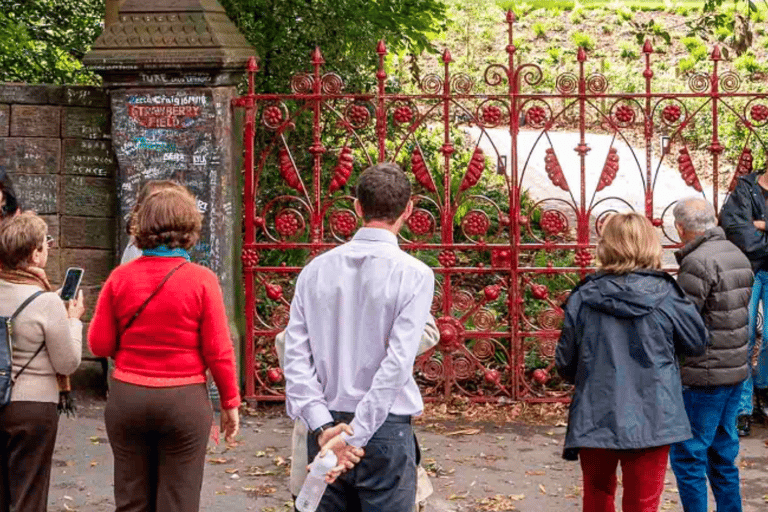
pixel 163 321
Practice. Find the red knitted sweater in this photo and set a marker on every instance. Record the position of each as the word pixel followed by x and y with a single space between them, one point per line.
pixel 182 331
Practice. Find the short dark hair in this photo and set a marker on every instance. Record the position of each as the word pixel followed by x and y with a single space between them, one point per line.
pixel 383 191
pixel 168 217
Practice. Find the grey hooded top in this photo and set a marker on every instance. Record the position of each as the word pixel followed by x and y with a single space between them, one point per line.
pixel 619 345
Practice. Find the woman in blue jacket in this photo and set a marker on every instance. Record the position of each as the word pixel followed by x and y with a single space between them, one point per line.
pixel 624 328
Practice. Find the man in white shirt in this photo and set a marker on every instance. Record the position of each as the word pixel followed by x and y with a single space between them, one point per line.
pixel 357 317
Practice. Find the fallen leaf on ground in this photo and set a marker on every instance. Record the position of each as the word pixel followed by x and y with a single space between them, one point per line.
pixel 218 460
pixel 465 432
pixel 280 461
pixel 535 473
pixel 261 490
pixel 497 503
pixel 94 463
pixel 454 497
pixel 231 470
pixel 542 489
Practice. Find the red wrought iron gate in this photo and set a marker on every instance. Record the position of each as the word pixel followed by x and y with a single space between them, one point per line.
pixel 507 239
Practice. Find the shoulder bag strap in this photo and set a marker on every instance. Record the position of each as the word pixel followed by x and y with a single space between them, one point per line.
pixel 144 304
pixel 10 332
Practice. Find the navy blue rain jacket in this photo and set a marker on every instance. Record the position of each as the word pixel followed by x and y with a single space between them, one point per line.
pixel 620 342
pixel 745 205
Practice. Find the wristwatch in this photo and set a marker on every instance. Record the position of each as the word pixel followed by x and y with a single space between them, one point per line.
pixel 322 428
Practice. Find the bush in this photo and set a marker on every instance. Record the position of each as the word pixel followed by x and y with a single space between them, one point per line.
pixel 628 51
pixel 747 63
pixel 582 40
pixel 696 47
pixel 554 53
pixel 577 16
pixel 625 15
pixel 686 64
pixel 539 30
pixel 722 33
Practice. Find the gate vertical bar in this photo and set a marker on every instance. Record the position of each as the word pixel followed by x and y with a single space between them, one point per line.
pixel 249 212
pixel 381 118
pixel 317 149
pixel 648 131
pixel 514 301
pixel 715 148
pixel 582 227
pixel 448 210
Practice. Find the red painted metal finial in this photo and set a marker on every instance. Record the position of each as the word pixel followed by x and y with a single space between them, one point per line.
pixel 510 16
pixel 716 54
pixel 253 66
pixel 381 48
pixel 447 57
pixel 581 56
pixel 647 48
pixel 317 57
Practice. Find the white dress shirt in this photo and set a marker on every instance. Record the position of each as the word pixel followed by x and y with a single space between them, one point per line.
pixel 357 317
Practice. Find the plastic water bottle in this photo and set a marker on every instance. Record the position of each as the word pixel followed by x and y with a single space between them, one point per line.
pixel 314 486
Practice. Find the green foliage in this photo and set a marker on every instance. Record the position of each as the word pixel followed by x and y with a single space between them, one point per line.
pixel 649 30
pixel 577 16
pixel 625 15
pixel 44 41
pixel 721 33
pixel 540 30
pixel 582 40
pixel 284 33
pixel 628 50
pixel 554 53
pixel 747 63
pixel 686 64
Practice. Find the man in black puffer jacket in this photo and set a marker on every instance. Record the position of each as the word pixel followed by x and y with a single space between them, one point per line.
pixel 717 277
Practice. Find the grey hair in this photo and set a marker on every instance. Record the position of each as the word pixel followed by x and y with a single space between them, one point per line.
pixel 695 214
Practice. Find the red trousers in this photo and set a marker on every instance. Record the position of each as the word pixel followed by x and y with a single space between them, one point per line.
pixel 642 473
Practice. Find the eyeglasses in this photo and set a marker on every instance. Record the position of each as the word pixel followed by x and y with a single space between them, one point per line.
pixel 49 241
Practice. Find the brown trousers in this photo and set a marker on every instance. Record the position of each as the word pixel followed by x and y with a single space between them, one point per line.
pixel 27 438
pixel 159 438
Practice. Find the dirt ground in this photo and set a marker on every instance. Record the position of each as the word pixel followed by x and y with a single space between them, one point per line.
pixel 482 466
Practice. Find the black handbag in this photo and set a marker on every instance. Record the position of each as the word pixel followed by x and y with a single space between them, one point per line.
pixel 6 352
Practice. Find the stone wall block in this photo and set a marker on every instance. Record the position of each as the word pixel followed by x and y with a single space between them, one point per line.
pixel 35 121
pixel 80 96
pixel 91 295
pixel 97 264
pixel 88 232
pixel 5 125
pixel 88 197
pixel 89 158
pixel 38 192
pixel 28 94
pixel 30 155
pixel 53 268
pixel 85 123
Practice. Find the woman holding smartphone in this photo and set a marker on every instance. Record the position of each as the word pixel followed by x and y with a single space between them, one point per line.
pixel 47 339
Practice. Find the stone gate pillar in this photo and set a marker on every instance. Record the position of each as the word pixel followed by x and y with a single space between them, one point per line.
pixel 171 67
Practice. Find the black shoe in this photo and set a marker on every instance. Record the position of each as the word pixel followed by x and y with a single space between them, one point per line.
pixel 743 425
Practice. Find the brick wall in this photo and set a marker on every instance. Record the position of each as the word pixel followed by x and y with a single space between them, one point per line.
pixel 55 145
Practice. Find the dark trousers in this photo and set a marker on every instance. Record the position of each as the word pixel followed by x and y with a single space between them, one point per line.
pixel 384 480
pixel 27 438
pixel 159 437
pixel 642 474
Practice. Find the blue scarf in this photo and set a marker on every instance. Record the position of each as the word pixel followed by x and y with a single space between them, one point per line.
pixel 163 251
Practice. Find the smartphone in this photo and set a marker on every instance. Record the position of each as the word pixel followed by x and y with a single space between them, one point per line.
pixel 71 283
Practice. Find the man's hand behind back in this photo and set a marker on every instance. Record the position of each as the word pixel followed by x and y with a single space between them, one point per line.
pixel 347 455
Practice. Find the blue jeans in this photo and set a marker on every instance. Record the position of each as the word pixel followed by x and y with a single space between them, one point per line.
pixel 712 452
pixel 385 478
pixel 760 381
